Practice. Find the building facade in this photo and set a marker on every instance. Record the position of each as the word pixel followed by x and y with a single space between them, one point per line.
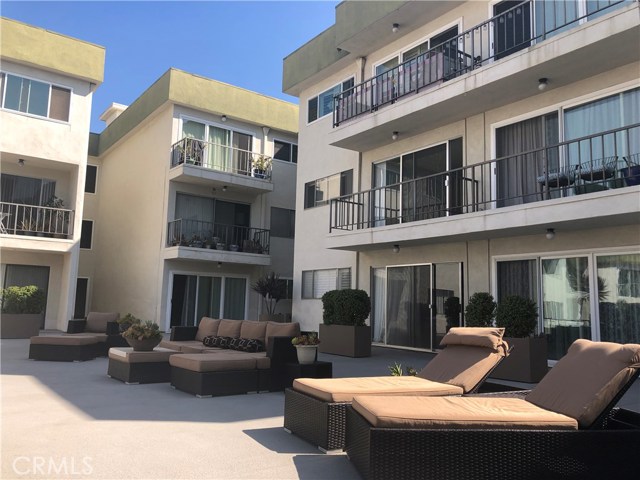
pixel 193 200
pixel 456 147
pixel 47 83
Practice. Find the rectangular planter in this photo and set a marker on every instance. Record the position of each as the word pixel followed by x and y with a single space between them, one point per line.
pixel 527 361
pixel 345 340
pixel 20 325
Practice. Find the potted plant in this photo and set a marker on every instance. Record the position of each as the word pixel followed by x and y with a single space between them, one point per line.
pixel 234 248
pixel 260 165
pixel 272 290
pixel 196 241
pixel 480 310
pixel 55 223
pixel 528 360
pixel 143 336
pixel 22 311
pixel 306 347
pixel 344 331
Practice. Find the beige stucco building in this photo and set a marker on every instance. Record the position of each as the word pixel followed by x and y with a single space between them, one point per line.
pixel 47 82
pixel 448 148
pixel 182 223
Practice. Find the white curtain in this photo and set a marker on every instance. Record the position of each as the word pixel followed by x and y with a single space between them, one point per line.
pixel 219 157
pixel 234 298
pixel 379 304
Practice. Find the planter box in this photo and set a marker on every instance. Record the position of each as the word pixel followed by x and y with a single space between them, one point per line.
pixel 345 340
pixel 20 325
pixel 527 361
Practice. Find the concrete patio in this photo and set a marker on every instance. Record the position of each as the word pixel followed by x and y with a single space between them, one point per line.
pixel 69 420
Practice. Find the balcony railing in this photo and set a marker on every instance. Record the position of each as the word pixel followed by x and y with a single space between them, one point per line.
pixel 582 166
pixel 18 219
pixel 216 236
pixel 496 38
pixel 221 158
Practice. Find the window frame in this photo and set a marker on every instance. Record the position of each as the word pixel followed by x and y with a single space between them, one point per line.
pixel 340 176
pixel 292 219
pixel 292 145
pixel 351 78
pixel 3 94
pixel 313 281
pixel 90 247
pixel 95 183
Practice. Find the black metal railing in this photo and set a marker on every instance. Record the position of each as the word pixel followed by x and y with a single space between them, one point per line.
pixel 496 38
pixel 34 220
pixel 585 165
pixel 216 236
pixel 222 158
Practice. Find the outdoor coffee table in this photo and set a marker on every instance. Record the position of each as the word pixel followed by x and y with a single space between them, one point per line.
pixel 140 367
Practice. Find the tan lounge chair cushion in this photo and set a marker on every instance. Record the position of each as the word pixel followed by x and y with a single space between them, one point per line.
pixel 230 328
pixel 586 379
pixel 256 330
pixel 344 389
pixel 212 362
pixel 101 337
pixel 470 354
pixel 275 329
pixel 127 355
pixel 207 326
pixel 97 321
pixel 65 340
pixel 172 344
pixel 459 413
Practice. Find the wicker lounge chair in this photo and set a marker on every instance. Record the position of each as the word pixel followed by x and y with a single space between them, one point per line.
pixel 315 408
pixel 566 427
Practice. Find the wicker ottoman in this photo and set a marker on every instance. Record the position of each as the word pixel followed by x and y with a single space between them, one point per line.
pixel 140 367
pixel 64 348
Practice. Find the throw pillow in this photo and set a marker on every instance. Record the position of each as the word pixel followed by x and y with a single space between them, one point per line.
pixel 215 341
pixel 248 345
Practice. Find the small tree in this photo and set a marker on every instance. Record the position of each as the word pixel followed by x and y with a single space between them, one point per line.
pixel 518 316
pixel 29 299
pixel 346 307
pixel 272 290
pixel 480 310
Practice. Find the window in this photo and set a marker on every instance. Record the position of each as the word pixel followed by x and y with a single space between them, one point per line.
pixel 321 191
pixel 86 235
pixel 283 222
pixel 26 190
pixel 287 152
pixel 316 283
pixel 323 104
pixel 82 288
pixel 34 97
pixel 90 179
pixel 289 288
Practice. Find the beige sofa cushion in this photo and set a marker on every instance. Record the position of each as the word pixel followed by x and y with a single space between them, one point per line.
pixel 127 355
pixel 344 389
pixel 586 379
pixel 470 353
pixel 65 340
pixel 230 328
pixel 250 329
pixel 207 326
pixel 276 329
pixel 97 321
pixel 212 362
pixel 172 344
pixel 459 413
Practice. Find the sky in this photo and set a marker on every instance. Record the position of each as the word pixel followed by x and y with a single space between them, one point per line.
pixel 238 42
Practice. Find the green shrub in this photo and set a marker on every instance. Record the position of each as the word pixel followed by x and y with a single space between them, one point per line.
pixel 480 310
pixel 29 299
pixel 346 307
pixel 518 316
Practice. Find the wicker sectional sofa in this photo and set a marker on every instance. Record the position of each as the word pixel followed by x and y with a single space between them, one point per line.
pixel 220 370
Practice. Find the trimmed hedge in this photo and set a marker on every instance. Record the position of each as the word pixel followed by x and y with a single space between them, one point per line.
pixel 29 299
pixel 480 310
pixel 518 316
pixel 346 307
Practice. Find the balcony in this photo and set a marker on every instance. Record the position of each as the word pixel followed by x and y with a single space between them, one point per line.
pixel 584 182
pixel 206 163
pixel 195 239
pixel 36 221
pixel 479 70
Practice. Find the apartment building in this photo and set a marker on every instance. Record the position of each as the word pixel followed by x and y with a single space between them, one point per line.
pixel 191 200
pixel 454 147
pixel 47 82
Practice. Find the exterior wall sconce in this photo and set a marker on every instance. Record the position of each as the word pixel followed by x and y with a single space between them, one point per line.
pixel 21 162
pixel 396 248
pixel 551 233
pixel 224 188
pixel 219 264
pixel 394 136
pixel 395 27
pixel 223 118
pixel 542 83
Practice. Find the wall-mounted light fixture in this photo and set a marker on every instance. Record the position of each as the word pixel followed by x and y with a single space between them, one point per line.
pixel 551 233
pixel 219 264
pixel 395 27
pixel 542 83
pixel 21 162
pixel 224 188
pixel 223 118
pixel 396 248
pixel 394 136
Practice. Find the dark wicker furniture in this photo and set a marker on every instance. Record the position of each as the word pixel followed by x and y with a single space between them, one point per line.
pixel 146 367
pixel 87 349
pixel 316 369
